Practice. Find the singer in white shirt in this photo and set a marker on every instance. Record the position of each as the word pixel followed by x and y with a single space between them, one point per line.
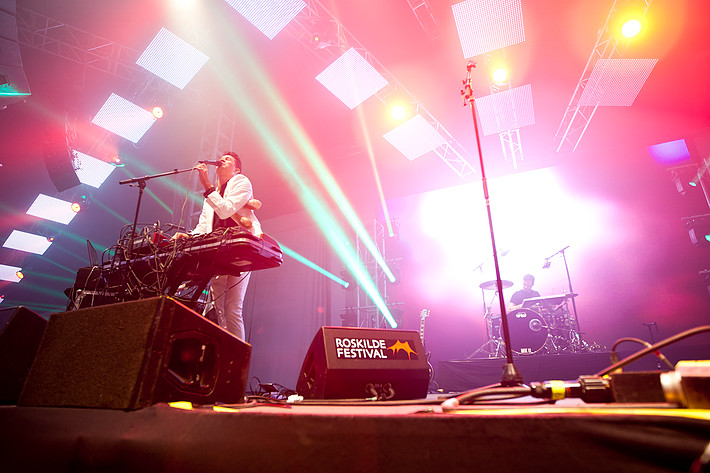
pixel 224 203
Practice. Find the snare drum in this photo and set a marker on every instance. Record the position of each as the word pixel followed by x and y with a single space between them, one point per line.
pixel 528 331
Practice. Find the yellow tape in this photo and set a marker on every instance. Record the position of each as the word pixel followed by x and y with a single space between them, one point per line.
pixel 558 390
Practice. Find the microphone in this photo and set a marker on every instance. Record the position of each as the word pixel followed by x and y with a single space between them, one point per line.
pixel 213 163
pixel 547 264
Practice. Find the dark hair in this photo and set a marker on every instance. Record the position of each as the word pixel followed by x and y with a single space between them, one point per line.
pixel 236 158
pixel 529 277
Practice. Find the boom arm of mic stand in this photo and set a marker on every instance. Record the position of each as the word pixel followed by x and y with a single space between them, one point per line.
pixel 141 183
pixel 511 375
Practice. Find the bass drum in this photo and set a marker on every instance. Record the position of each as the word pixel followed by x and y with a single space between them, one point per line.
pixel 528 331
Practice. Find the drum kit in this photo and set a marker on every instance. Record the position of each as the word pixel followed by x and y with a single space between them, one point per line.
pixel 541 325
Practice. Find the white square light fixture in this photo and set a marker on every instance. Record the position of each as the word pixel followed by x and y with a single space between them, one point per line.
pixel 352 79
pixel 124 118
pixel 50 208
pixel 28 242
pixel 616 82
pixel 507 110
pixel 172 59
pixel 487 25
pixel 269 16
pixel 91 171
pixel 415 137
pixel 9 273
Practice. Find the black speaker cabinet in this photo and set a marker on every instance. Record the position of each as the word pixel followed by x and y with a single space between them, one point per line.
pixel 134 354
pixel 357 363
pixel 20 334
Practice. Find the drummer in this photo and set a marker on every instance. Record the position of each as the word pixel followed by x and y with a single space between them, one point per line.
pixel 527 292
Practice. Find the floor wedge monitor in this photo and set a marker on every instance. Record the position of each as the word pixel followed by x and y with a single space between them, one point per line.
pixel 134 354
pixel 357 363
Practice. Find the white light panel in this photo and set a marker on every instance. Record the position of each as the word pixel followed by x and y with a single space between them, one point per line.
pixel 124 118
pixel 351 78
pixel 28 242
pixel 487 25
pixel 507 110
pixel 91 171
pixel 9 273
pixel 269 16
pixel 415 137
pixel 172 59
pixel 49 208
pixel 616 82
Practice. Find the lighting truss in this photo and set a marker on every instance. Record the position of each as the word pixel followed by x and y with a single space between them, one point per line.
pixel 73 44
pixel 425 16
pixel 57 38
pixel 415 137
pixel 50 208
pixel 124 118
pixel 9 273
pixel 28 242
pixel 487 25
pixel 302 29
pixel 91 171
pixel 608 45
pixel 268 16
pixel 352 79
pixel 172 59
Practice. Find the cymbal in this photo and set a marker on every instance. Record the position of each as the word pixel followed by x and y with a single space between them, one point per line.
pixel 491 285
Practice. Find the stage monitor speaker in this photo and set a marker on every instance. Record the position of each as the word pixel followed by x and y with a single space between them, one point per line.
pixel 13 82
pixel 134 354
pixel 356 363
pixel 20 334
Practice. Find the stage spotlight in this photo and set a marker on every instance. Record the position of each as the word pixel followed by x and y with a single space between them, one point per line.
pixel 49 208
pixel 500 75
pixel 20 275
pixel 28 242
pixel 698 228
pixel 157 112
pixel 76 207
pixel 398 112
pixel 9 273
pixel 631 28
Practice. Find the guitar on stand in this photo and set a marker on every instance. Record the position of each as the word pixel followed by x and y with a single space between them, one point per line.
pixel 422 320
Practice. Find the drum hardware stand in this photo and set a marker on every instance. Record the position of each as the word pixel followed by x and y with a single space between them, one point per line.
pixel 494 344
pixel 511 374
pixel 578 343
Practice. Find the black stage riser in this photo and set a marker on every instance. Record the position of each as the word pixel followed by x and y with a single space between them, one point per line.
pixel 462 375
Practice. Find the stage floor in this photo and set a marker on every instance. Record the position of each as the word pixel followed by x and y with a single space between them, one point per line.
pixel 338 437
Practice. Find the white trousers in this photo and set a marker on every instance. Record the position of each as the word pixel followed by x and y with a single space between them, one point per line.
pixel 227 294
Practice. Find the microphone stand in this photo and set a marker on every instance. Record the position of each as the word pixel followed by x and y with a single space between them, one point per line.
pixel 140 182
pixel 569 284
pixel 511 375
